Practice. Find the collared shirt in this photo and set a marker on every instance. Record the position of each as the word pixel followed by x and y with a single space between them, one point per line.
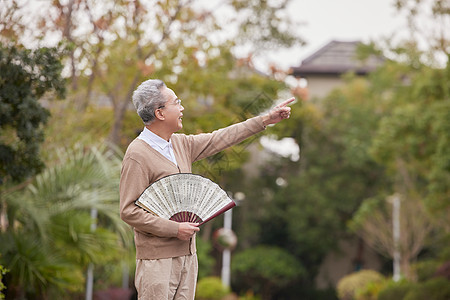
pixel 159 144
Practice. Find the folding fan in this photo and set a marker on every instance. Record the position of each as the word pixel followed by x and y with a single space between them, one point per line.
pixel 185 197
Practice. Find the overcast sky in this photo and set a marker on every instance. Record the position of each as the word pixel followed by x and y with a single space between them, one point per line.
pixel 325 20
pixel 343 20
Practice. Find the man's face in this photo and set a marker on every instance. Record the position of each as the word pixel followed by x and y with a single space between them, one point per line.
pixel 172 110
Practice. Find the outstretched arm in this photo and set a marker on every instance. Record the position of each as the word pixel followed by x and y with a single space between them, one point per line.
pixel 206 144
pixel 278 113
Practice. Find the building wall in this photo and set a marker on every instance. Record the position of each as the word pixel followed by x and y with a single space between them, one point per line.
pixel 319 87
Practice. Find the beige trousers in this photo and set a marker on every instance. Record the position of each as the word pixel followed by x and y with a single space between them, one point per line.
pixel 168 278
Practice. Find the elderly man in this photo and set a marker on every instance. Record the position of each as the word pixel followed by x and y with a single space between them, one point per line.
pixel 166 261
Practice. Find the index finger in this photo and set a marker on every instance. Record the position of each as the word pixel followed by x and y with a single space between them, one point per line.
pixel 286 102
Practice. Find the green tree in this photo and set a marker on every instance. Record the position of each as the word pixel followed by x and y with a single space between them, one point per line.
pixel 433 36
pixel 303 206
pixel 373 223
pixel 411 140
pixel 27 76
pixel 51 243
pixel 372 137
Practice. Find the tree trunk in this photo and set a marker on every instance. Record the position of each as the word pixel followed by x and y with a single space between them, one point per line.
pixel 120 107
pixel 3 216
pixel 405 267
pixel 116 129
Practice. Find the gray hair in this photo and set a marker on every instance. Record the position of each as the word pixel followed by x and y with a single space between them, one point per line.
pixel 147 98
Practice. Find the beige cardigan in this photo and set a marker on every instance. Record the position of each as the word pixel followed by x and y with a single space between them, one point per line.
pixel 142 165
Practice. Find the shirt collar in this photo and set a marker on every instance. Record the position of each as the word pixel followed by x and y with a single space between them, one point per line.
pixel 153 139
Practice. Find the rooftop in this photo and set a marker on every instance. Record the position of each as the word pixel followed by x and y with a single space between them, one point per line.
pixel 336 58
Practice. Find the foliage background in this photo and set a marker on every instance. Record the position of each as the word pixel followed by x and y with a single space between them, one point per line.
pixel 371 138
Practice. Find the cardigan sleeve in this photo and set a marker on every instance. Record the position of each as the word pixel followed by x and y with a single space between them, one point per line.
pixel 133 181
pixel 207 144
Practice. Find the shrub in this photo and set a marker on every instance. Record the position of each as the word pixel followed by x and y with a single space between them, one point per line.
pixel 249 296
pixel 350 285
pixel 437 289
pixel 395 290
pixel 370 291
pixel 2 286
pixel 211 288
pixel 265 270
pixel 443 270
pixel 425 269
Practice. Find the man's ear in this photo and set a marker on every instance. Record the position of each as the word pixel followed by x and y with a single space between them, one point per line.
pixel 159 114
